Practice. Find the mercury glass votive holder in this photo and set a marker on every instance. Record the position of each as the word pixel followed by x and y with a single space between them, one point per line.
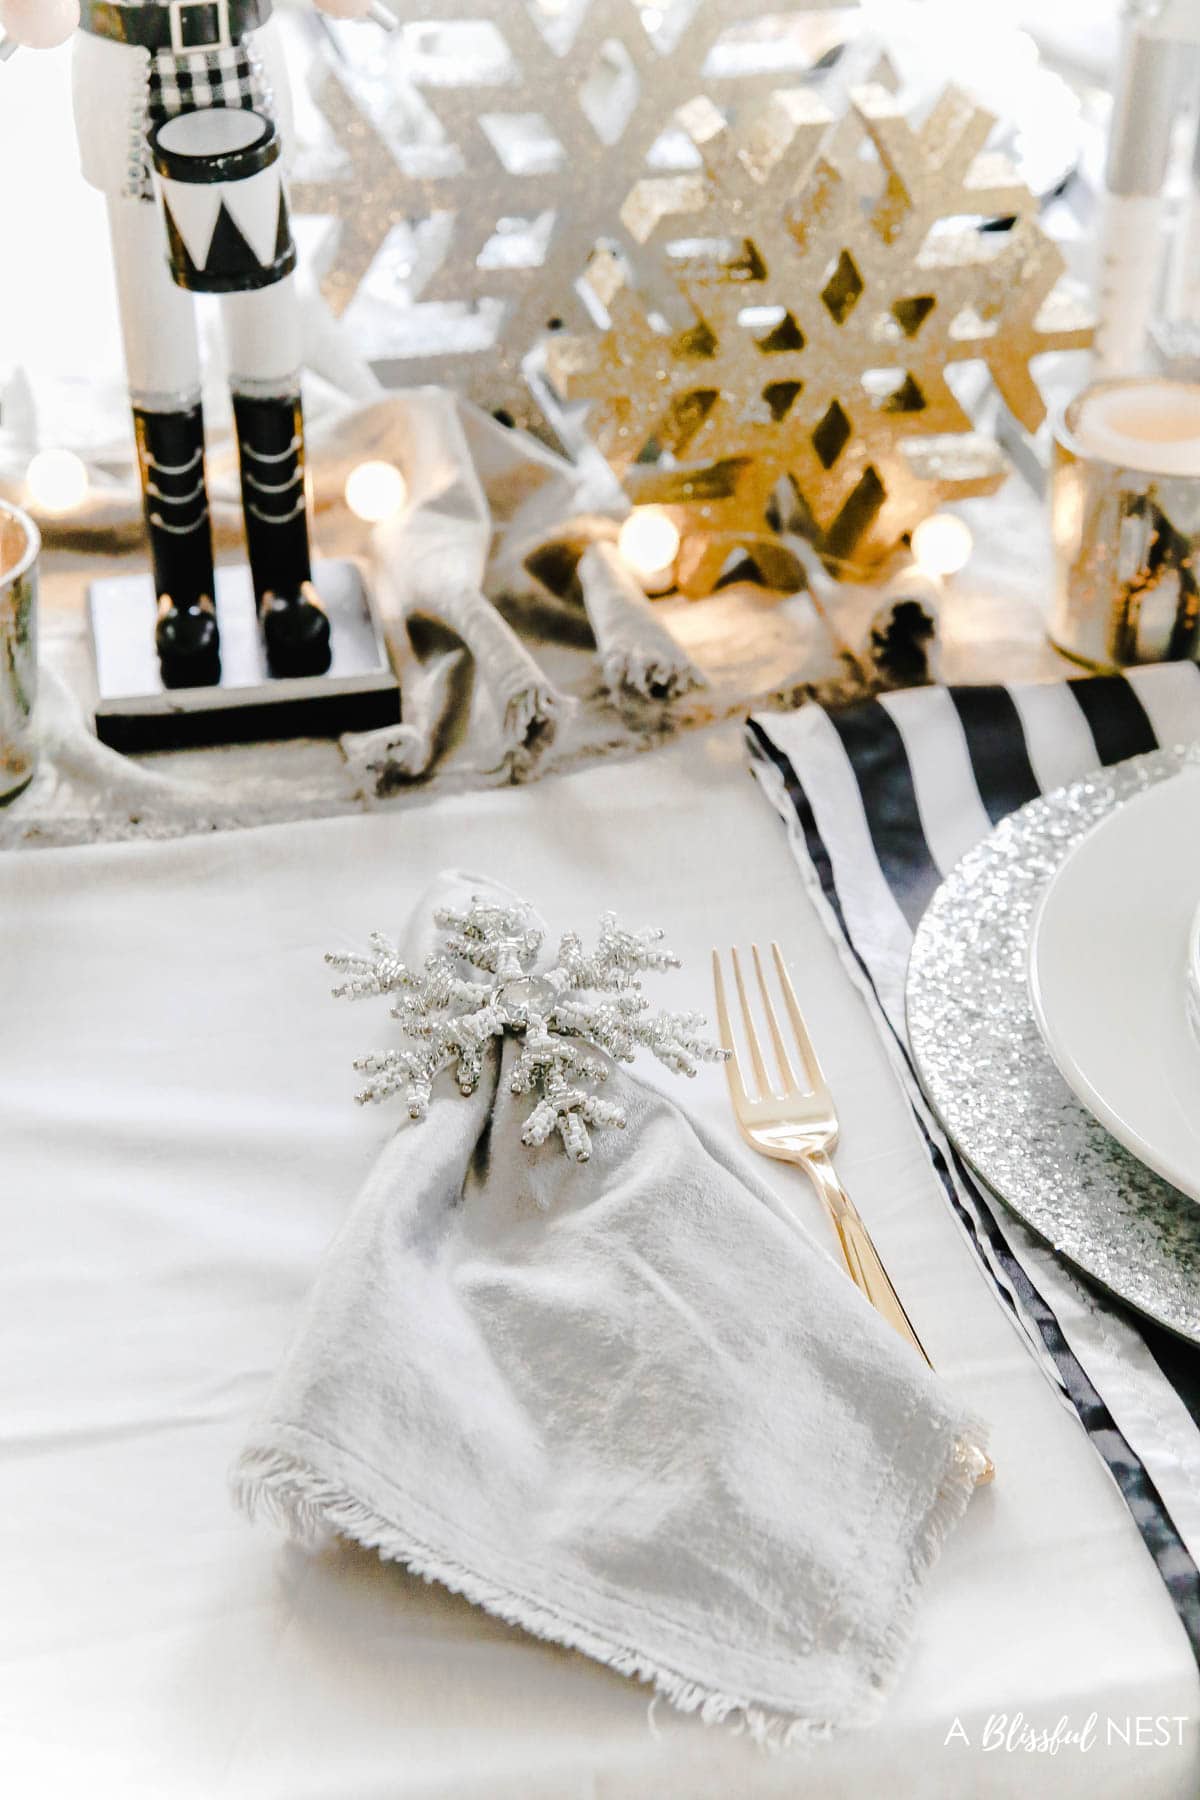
pixel 1126 549
pixel 20 546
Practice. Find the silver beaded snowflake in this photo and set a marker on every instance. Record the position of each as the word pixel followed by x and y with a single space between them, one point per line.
pixel 587 1001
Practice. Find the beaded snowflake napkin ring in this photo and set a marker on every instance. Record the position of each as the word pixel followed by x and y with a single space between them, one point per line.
pixel 586 1001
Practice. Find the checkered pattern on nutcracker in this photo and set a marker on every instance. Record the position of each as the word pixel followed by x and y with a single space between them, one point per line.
pixel 187 82
pixel 195 79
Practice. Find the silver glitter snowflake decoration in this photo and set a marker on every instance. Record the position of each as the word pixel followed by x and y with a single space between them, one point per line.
pixel 484 982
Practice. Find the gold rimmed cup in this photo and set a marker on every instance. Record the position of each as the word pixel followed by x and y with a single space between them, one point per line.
pixel 20 546
pixel 1125 516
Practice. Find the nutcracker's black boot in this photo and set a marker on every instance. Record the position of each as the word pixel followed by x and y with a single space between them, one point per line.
pixel 271 452
pixel 170 447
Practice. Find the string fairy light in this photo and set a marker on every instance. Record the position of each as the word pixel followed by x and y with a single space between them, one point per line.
pixel 56 482
pixel 375 491
pixel 649 544
pixel 942 544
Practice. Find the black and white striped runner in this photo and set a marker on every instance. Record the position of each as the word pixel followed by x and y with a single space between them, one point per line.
pixel 881 801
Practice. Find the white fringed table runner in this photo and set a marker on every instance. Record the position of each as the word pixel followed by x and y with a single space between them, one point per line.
pixel 180 1146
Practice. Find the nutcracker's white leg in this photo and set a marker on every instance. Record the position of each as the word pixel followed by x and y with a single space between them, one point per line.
pixel 263 338
pixel 158 320
pixel 263 332
pixel 162 358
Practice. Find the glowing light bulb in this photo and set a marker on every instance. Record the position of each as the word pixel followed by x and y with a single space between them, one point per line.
pixel 649 543
pixel 375 491
pixel 942 544
pixel 57 481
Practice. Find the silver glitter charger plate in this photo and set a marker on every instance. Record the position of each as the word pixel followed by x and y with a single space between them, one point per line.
pixel 990 1079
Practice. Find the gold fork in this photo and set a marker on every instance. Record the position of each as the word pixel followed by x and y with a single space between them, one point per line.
pixel 800 1126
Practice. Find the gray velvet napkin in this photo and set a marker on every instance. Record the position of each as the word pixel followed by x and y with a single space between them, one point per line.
pixel 628 1405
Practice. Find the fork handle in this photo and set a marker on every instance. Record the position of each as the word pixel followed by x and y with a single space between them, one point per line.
pixel 862 1259
pixel 864 1266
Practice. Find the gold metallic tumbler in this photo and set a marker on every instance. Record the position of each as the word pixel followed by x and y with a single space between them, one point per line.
pixel 1126 542
pixel 19 549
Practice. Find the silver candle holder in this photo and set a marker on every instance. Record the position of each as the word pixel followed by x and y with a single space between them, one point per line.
pixel 1126 544
pixel 20 546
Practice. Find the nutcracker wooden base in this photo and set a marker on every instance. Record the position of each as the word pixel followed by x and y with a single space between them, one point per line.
pixel 135 711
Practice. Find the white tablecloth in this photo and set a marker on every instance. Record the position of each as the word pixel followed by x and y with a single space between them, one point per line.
pixel 177 1144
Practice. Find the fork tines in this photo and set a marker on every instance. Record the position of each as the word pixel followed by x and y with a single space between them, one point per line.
pixel 766 1089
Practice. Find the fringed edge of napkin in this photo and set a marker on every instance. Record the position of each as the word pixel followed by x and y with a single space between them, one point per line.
pixel 637 653
pixel 526 708
pixel 312 1510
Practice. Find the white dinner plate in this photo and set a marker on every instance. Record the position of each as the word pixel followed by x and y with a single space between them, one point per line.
pixel 1109 976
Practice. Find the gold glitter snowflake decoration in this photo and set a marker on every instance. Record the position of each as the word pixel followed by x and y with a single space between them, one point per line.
pixel 833 272
pixel 484 983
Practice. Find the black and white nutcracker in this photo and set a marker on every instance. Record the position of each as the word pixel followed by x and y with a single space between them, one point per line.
pixel 180 107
